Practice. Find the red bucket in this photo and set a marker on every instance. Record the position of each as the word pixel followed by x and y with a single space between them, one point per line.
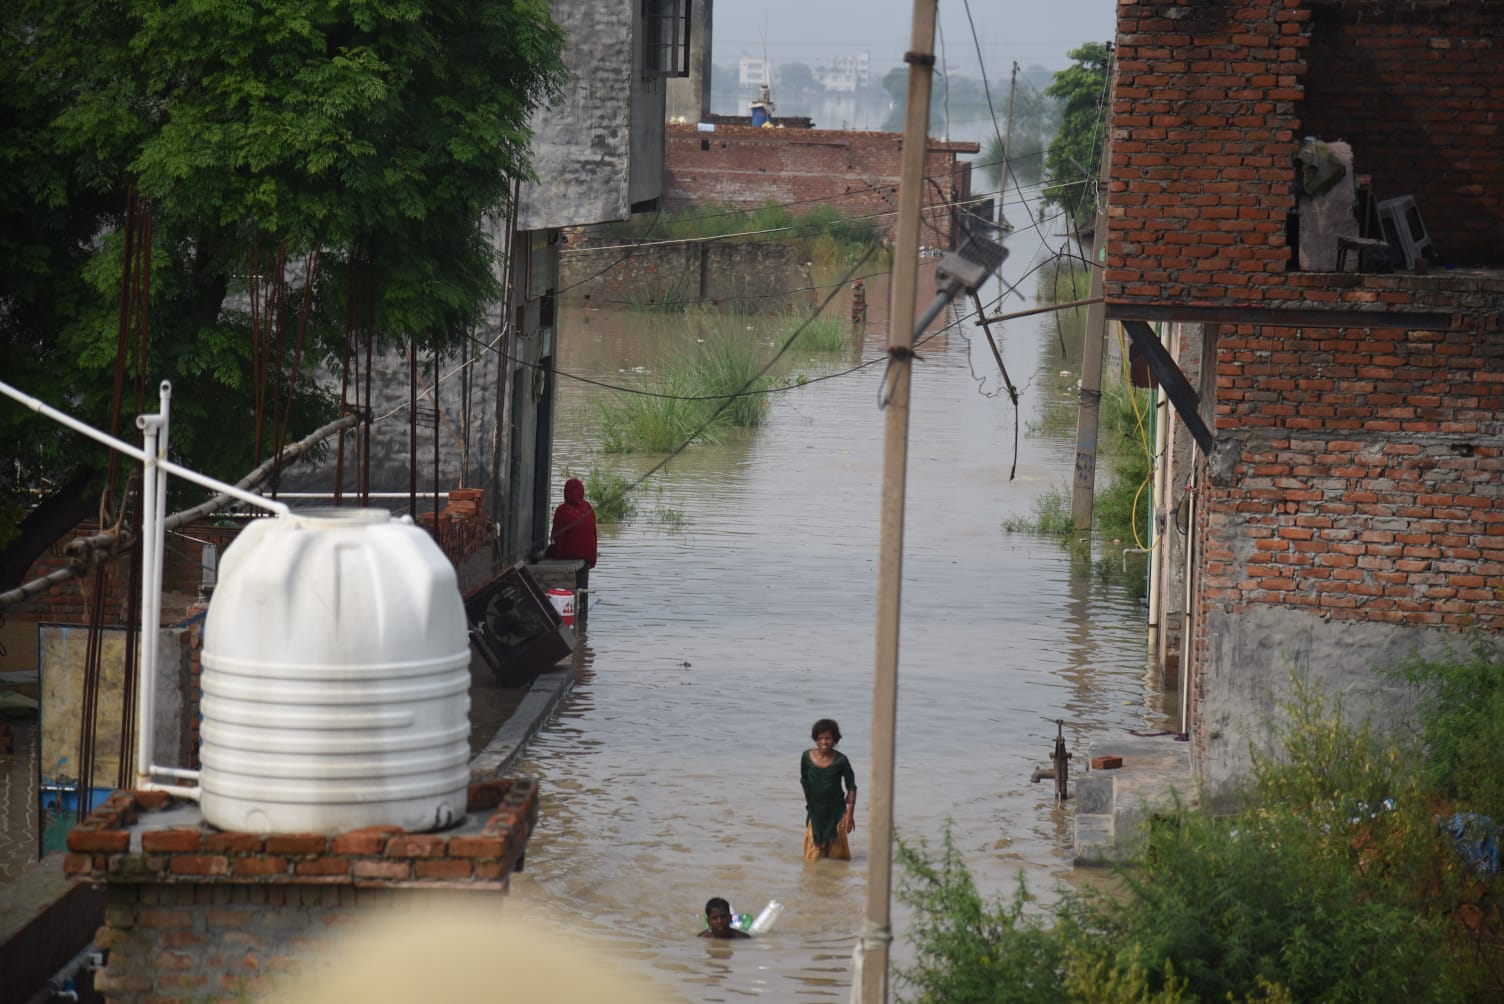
pixel 563 601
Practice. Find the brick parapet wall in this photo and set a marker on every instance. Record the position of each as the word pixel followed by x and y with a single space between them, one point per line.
pixel 195 911
pixel 855 172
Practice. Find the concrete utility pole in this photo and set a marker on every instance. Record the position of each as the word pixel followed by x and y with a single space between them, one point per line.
pixel 876 933
pixel 1083 486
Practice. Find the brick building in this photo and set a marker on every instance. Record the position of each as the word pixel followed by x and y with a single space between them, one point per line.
pixel 1348 511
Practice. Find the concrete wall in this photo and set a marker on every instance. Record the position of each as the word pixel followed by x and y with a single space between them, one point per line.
pixel 593 151
pixel 749 277
pixel 689 97
pixel 1349 514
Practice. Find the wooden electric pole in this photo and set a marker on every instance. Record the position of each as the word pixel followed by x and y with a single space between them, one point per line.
pixel 1083 485
pixel 876 933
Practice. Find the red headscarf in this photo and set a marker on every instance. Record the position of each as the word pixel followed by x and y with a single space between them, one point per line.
pixel 574 526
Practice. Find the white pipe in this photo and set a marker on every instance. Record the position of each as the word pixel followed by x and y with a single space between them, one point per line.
pixel 260 501
pixel 1186 645
pixel 1156 559
pixel 178 772
pixel 146 700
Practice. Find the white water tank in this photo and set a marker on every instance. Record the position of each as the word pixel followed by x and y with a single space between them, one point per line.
pixel 336 682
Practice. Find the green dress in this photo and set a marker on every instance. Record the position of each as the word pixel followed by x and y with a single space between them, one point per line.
pixel 824 799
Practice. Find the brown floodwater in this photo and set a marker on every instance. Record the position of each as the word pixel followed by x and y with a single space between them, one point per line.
pixel 737 606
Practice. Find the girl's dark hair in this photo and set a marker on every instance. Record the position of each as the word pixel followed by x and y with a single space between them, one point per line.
pixel 716 901
pixel 825 725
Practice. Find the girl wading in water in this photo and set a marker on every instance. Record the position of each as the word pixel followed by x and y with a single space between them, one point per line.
pixel 830 807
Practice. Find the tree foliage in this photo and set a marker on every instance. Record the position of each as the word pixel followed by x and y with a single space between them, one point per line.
pixel 1075 154
pixel 377 133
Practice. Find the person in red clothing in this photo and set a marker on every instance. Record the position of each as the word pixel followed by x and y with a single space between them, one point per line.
pixel 573 533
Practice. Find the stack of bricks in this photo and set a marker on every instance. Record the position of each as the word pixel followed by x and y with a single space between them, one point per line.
pixel 195 912
pixel 462 524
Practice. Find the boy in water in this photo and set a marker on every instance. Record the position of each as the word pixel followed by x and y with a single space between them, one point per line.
pixel 718 920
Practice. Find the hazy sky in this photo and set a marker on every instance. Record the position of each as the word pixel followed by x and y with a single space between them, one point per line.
pixel 807 30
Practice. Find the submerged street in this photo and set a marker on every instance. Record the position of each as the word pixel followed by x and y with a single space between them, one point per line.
pixel 737 606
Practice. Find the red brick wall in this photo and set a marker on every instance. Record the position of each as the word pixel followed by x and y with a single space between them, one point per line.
pixel 1211 102
pixel 1417 88
pixel 1368 483
pixel 1204 132
pixel 855 172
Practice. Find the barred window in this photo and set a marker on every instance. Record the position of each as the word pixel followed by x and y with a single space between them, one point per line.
pixel 666 38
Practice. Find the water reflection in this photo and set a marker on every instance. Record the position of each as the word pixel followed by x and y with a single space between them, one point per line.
pixel 671 775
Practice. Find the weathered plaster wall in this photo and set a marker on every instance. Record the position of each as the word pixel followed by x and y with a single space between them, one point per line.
pixel 1254 656
pixel 63 654
pixel 582 144
pixel 689 97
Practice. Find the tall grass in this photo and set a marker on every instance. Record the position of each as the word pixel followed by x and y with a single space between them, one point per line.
pixel 609 494
pixel 1124 506
pixel 816 334
pixel 692 401
pixel 1051 516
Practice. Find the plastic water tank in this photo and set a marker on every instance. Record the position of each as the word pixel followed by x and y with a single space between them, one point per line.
pixel 335 678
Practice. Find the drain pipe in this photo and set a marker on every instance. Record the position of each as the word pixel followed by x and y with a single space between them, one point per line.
pixel 153 529
pixel 1186 646
pixel 1157 509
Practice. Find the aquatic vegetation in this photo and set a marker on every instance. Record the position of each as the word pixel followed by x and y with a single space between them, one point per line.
pixel 815 334
pixel 700 396
pixel 1051 516
pixel 609 493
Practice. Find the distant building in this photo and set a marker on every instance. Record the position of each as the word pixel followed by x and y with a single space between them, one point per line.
pixel 844 74
pixel 753 72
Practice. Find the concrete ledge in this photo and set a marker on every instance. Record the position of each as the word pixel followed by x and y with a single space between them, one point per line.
pixel 1111 805
pixel 507 746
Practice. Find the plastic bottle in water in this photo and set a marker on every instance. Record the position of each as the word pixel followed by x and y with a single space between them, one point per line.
pixel 767 918
pixel 741 921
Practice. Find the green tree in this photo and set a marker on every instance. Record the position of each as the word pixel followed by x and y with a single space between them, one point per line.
pixel 375 133
pixel 797 77
pixel 1075 153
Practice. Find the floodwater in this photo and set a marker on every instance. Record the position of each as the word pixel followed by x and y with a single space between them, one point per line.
pixel 738 606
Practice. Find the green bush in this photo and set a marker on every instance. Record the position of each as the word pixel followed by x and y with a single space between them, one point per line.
pixel 971 950
pixel 1333 882
pixel 1461 722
